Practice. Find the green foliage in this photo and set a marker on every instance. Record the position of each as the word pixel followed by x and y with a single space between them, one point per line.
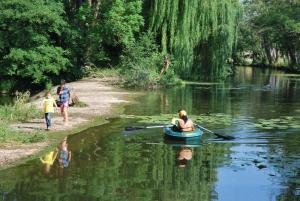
pixel 170 79
pixel 36 64
pixel 284 122
pixel 122 21
pixel 141 63
pixel 269 33
pixel 21 110
pixel 199 33
pixel 139 77
pixel 101 29
pixel 212 119
pixel 8 134
pixel 7 85
pixel 30 33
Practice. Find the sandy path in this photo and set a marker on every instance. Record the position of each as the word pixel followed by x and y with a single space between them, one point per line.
pixel 96 93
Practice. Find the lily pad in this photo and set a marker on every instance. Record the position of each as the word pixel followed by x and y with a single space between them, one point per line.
pixel 211 119
pixel 283 122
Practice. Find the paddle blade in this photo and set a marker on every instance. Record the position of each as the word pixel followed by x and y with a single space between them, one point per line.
pixel 226 137
pixel 134 128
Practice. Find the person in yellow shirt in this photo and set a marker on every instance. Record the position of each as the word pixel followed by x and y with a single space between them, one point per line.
pixel 48 103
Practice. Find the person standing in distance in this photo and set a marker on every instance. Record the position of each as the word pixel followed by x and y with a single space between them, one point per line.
pixel 64 96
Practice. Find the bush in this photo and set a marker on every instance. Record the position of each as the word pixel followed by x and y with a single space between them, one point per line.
pixel 141 64
pixel 170 79
pixel 7 85
pixel 20 110
pixel 139 77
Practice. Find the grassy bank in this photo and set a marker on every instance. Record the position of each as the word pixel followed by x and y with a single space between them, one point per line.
pixel 281 64
pixel 19 111
pixel 136 77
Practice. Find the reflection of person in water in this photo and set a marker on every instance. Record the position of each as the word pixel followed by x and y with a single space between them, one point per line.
pixel 184 155
pixel 64 157
pixel 48 161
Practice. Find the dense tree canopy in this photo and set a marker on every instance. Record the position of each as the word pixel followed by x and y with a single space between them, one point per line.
pixel 30 33
pixel 42 40
pixel 270 32
pixel 200 34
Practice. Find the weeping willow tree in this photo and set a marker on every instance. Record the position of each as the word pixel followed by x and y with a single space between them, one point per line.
pixel 199 33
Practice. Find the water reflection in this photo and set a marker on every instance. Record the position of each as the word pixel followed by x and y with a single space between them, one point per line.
pixel 107 165
pixel 61 156
pixel 48 160
pixel 183 156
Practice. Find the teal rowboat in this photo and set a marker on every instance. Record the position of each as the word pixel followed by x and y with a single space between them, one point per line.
pixel 197 133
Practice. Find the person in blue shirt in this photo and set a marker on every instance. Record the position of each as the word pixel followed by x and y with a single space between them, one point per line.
pixel 64 96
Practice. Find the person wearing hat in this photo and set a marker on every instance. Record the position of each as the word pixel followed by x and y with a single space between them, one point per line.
pixel 183 124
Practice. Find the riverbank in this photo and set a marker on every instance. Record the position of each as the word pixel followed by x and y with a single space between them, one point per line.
pixel 102 101
pixel 285 69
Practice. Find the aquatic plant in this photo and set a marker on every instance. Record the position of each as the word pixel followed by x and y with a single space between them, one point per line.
pixel 283 122
pixel 210 119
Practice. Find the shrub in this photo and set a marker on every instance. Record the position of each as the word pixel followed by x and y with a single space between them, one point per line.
pixel 141 64
pixel 170 79
pixel 20 110
pixel 139 77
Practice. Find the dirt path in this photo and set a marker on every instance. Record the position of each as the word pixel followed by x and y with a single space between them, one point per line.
pixel 96 93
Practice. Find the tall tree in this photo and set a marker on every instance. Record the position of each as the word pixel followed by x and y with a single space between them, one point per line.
pixel 274 30
pixel 30 33
pixel 200 34
pixel 102 28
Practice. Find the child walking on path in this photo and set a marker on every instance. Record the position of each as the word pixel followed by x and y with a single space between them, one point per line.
pixel 48 103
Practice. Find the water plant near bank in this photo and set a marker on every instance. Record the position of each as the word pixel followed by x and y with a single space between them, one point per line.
pixel 212 119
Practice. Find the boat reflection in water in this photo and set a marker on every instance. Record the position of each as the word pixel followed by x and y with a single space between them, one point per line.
pixel 185 149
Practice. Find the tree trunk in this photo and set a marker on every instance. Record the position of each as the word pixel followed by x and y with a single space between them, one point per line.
pixel 267 50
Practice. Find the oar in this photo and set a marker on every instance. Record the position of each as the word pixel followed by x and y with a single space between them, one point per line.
pixel 226 137
pixel 133 128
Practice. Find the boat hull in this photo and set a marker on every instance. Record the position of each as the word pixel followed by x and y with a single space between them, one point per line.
pixel 197 133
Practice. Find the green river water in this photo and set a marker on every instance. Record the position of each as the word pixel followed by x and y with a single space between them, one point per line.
pixel 260 108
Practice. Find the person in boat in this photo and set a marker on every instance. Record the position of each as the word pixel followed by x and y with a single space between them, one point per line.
pixel 183 124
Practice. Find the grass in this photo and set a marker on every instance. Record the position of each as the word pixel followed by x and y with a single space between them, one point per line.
pixel 19 111
pixel 7 134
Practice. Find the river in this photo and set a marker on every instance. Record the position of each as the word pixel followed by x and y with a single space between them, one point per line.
pixel 260 108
